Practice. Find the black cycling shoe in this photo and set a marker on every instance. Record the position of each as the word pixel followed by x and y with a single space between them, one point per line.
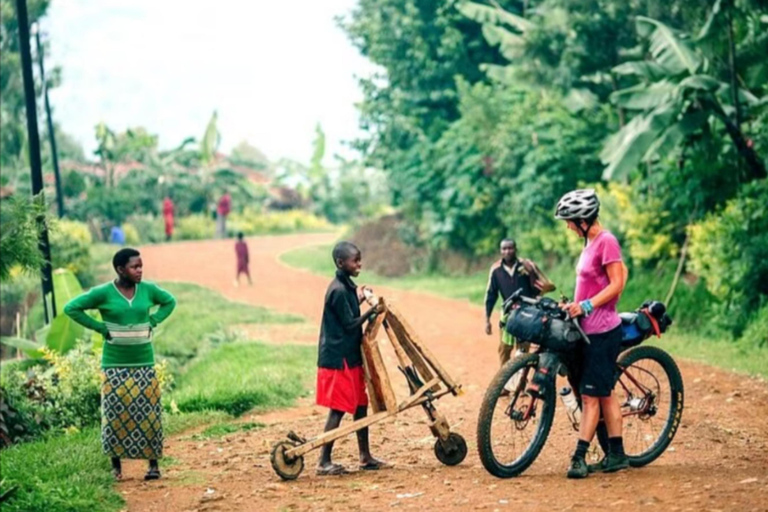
pixel 610 464
pixel 578 468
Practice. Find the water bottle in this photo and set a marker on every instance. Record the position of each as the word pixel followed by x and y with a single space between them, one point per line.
pixel 572 408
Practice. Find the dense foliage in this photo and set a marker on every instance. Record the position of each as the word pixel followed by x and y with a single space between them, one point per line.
pixel 486 112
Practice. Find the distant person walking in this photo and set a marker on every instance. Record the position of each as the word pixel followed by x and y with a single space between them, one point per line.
pixel 222 211
pixel 131 414
pixel 241 251
pixel 117 235
pixel 168 213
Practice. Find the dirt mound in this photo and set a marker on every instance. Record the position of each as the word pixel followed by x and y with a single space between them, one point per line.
pixel 388 254
pixel 384 250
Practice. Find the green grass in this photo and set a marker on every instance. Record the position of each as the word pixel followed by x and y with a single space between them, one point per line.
pixel 177 423
pixel 240 376
pixel 722 352
pixel 687 307
pixel 223 429
pixel 59 474
pixel 200 313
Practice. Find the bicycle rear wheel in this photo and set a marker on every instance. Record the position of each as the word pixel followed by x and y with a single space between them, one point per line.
pixel 512 430
pixel 650 391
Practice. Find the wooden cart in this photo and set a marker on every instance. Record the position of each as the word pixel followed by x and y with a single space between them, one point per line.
pixel 427 381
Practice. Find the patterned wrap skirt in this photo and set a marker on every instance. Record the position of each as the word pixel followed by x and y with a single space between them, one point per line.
pixel 131 415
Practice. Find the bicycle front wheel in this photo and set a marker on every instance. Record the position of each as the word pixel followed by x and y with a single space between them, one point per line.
pixel 650 391
pixel 512 429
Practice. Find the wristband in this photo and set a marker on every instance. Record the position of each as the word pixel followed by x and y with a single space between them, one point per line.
pixel 587 307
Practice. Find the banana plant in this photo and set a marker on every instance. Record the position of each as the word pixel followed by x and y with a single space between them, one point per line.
pixel 62 333
pixel 675 98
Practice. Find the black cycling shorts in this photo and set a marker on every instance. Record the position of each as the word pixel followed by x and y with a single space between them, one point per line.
pixel 598 364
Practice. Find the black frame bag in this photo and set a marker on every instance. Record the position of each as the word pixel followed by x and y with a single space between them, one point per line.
pixel 528 324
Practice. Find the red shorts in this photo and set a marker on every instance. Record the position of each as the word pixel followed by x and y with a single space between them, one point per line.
pixel 342 390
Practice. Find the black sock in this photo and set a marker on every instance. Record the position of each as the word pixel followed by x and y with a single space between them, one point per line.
pixel 581 449
pixel 616 445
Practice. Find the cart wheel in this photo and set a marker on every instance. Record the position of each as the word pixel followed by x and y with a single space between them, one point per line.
pixel 287 468
pixel 452 451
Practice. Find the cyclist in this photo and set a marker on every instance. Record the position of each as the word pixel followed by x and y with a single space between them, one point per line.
pixel 600 279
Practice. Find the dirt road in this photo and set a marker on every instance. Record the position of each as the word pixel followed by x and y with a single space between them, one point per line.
pixel 718 461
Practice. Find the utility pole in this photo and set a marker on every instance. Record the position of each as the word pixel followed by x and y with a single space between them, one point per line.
pixel 34 151
pixel 51 133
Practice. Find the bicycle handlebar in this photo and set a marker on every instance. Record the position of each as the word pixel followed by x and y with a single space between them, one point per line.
pixel 518 297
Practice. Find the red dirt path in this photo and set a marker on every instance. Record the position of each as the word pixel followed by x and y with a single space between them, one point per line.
pixel 718 461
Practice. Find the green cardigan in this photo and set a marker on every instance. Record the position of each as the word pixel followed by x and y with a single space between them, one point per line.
pixel 127 322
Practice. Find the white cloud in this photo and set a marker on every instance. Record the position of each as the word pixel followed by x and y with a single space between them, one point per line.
pixel 271 69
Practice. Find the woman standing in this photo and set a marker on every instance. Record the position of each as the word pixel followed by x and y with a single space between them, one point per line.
pixel 131 425
pixel 600 279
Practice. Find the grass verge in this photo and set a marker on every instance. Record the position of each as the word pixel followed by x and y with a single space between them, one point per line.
pixel 240 376
pixel 59 474
pixel 200 313
pixel 223 429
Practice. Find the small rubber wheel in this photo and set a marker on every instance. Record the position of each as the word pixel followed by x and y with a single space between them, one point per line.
pixel 452 451
pixel 287 468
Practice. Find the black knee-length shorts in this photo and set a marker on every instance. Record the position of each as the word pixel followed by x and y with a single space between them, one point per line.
pixel 597 363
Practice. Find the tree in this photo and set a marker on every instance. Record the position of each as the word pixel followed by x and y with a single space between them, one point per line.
pixel 248 155
pixel 19 243
pixel 13 137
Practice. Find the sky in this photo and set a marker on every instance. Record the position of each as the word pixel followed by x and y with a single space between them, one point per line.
pixel 272 70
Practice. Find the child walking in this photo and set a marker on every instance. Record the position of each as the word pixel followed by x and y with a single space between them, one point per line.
pixel 340 377
pixel 241 250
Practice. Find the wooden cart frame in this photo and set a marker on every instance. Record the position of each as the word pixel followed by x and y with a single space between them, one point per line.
pixel 427 381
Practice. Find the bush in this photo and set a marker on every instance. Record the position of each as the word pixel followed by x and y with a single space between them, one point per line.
pixel 63 392
pixel 70 248
pixel 131 234
pixel 18 244
pixel 729 249
pixel 252 222
pixel 149 228
pixel 194 227
pixel 756 333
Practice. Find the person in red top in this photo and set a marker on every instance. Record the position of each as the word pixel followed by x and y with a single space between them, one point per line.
pixel 168 217
pixel 222 211
pixel 241 250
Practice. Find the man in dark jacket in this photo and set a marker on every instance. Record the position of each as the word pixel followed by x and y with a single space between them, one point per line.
pixel 508 275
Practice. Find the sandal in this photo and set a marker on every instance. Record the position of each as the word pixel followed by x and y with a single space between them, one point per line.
pixel 375 465
pixel 331 470
pixel 152 474
pixel 118 474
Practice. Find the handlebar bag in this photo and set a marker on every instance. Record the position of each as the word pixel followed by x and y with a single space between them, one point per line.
pixel 528 324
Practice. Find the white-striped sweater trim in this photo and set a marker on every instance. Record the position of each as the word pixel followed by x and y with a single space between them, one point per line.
pixel 135 334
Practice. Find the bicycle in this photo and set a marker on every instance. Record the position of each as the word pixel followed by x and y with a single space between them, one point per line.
pixel 648 384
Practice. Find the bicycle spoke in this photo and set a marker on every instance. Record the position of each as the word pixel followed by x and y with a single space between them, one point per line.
pixel 511 436
pixel 644 392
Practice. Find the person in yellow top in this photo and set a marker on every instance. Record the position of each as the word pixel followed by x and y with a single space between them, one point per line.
pixel 131 425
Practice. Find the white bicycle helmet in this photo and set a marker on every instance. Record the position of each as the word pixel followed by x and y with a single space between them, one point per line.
pixel 581 204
